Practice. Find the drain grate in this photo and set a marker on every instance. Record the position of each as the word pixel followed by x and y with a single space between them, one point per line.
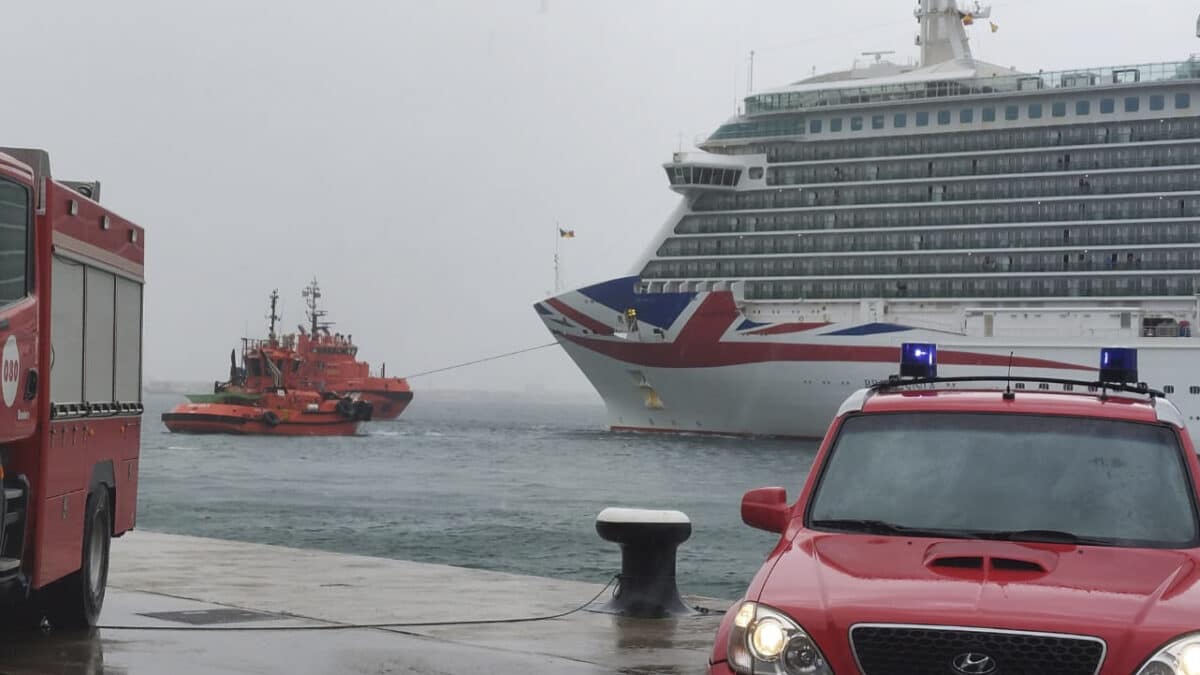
pixel 210 617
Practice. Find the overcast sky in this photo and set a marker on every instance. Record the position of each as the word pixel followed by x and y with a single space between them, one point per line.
pixel 416 156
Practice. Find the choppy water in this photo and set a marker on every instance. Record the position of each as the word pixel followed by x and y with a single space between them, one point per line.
pixel 500 485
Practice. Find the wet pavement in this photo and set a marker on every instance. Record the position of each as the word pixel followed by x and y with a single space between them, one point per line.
pixel 172 581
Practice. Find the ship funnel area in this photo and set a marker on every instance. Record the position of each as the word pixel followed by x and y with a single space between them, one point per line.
pixel 943 35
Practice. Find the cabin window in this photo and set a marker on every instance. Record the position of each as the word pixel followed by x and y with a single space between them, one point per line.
pixel 966 115
pixel 1169 389
pixel 835 124
pixel 1059 109
pixel 1107 105
pixel 814 126
pixel 1083 107
pixel 1035 111
pixel 877 121
pixel 943 117
pixel 922 119
pixel 1158 102
pixel 856 124
pixel 1011 112
pixel 1132 103
pixel 1194 389
pixel 900 120
pixel 14 242
pixel 989 114
pixel 1183 101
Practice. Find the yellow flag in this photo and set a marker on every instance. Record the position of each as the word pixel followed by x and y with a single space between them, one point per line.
pixel 994 26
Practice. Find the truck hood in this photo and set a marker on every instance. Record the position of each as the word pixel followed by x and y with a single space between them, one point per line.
pixel 1133 599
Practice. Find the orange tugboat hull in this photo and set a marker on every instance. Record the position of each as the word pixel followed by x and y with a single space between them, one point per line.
pixel 220 418
pixel 387 405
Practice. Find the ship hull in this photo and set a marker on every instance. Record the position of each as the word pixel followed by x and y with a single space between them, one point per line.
pixel 201 418
pixel 699 366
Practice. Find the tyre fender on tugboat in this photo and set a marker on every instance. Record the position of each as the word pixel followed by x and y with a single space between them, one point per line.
pixel 363 411
pixel 345 408
pixel 270 418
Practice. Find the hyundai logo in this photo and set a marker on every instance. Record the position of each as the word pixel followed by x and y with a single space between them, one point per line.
pixel 973 663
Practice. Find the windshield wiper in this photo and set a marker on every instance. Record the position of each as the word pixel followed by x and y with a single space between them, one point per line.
pixel 884 527
pixel 1045 536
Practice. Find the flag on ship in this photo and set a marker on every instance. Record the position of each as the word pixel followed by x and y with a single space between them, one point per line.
pixel 995 27
pixel 566 234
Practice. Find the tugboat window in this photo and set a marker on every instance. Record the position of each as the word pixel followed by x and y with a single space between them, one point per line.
pixel 1011 112
pixel 1132 104
pixel 1107 105
pixel 1183 101
pixel 1083 107
pixel 989 114
pixel 14 242
pixel 1157 102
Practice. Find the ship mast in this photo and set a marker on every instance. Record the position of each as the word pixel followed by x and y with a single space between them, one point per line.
pixel 312 293
pixel 274 316
pixel 943 36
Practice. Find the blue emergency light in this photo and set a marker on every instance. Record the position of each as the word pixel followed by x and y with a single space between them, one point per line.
pixel 1118 365
pixel 918 359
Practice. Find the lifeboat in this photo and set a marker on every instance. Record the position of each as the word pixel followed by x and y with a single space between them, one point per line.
pixel 281 413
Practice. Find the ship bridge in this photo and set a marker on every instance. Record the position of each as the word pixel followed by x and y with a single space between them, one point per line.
pixel 692 171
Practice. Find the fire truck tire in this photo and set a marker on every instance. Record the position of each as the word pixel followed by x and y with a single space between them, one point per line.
pixel 75 602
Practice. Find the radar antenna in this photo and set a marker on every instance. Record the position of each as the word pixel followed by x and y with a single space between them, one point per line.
pixel 878 55
pixel 312 293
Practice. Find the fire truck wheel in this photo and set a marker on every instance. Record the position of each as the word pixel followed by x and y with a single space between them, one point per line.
pixel 75 602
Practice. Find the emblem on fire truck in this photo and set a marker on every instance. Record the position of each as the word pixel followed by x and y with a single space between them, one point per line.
pixel 10 371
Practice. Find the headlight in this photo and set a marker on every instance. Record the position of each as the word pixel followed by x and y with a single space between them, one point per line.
pixel 765 641
pixel 1181 657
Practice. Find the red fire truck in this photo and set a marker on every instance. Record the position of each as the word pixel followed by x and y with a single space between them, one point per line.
pixel 71 276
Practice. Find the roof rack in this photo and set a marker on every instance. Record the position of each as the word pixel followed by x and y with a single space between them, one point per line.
pixel 895 381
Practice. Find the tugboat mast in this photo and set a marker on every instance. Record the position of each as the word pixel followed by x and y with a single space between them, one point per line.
pixel 274 316
pixel 312 293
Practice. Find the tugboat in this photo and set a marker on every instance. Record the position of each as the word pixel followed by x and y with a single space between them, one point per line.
pixel 265 396
pixel 328 362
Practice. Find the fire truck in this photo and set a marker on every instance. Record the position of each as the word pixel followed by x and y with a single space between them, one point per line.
pixel 71 278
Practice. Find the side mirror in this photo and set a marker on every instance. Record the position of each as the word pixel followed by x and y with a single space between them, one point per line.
pixel 766 509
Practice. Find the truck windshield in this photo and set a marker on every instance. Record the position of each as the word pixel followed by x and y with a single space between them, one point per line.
pixel 1032 478
pixel 14 241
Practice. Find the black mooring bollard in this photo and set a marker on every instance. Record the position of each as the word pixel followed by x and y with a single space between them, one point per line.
pixel 648 542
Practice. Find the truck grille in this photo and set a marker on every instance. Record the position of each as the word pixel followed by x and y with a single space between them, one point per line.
pixel 886 649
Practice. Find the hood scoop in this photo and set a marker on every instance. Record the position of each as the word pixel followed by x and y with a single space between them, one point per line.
pixel 975 558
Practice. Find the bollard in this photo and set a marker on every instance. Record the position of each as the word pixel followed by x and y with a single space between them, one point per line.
pixel 648 542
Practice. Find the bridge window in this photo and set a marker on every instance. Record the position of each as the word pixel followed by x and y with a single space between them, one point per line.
pixel 14 242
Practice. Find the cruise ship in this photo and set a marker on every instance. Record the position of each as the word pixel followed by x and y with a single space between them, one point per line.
pixel 1020 220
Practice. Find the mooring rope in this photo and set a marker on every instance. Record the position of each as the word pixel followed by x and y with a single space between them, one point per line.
pixel 483 360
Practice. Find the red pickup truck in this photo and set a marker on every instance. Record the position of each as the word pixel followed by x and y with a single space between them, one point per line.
pixel 957 526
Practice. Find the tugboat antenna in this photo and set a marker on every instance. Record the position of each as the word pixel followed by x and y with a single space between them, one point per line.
pixel 273 316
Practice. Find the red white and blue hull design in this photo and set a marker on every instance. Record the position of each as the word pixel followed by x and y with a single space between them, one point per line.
pixel 694 363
